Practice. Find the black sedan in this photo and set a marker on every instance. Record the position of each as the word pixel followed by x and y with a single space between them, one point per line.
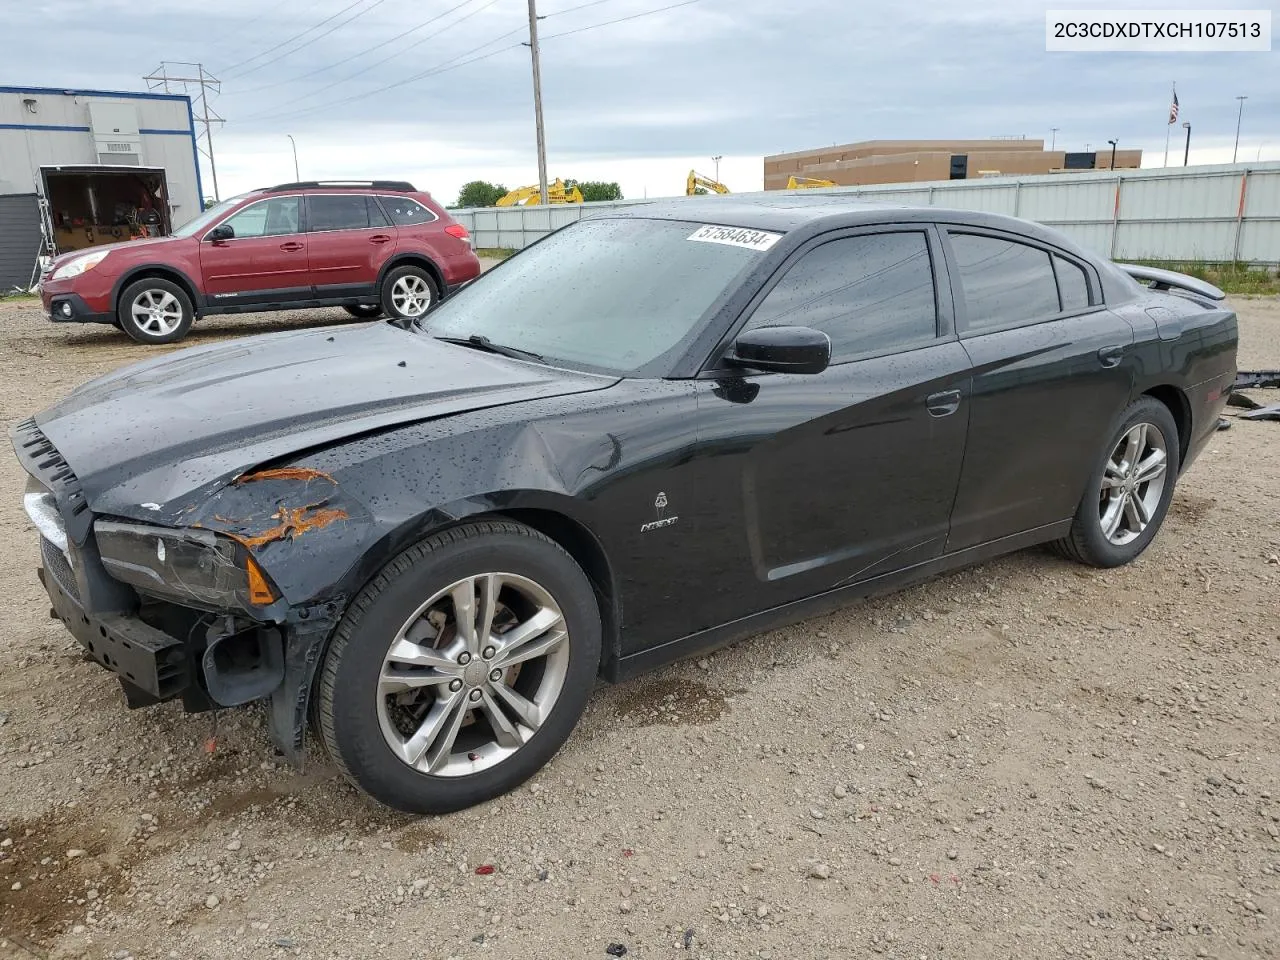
pixel 649 434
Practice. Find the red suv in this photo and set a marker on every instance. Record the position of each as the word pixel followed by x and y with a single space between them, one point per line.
pixel 371 247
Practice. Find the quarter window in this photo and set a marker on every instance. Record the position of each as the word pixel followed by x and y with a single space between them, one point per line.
pixel 266 218
pixel 406 212
pixel 1073 284
pixel 1005 284
pixel 337 212
pixel 871 293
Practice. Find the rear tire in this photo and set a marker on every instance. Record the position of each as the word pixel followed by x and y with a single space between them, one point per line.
pixel 419 701
pixel 364 311
pixel 1129 490
pixel 154 310
pixel 408 293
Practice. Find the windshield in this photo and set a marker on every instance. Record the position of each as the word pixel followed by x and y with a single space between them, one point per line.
pixel 198 223
pixel 622 296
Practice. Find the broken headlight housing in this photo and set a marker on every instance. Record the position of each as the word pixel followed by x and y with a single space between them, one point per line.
pixel 196 568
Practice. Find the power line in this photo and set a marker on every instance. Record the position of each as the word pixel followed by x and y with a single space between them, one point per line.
pixel 280 56
pixel 294 37
pixel 450 64
pixel 357 56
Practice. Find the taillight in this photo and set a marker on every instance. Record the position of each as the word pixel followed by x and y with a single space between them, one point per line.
pixel 457 230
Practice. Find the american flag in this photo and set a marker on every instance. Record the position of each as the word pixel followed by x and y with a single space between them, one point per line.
pixel 1173 108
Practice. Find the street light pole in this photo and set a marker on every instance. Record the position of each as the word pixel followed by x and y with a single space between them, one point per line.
pixel 716 161
pixel 1187 153
pixel 537 102
pixel 296 175
pixel 1239 117
pixel 1113 152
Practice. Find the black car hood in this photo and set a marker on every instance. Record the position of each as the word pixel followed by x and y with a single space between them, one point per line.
pixel 157 432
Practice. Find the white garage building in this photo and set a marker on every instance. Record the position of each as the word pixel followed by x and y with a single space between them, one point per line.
pixel 79 168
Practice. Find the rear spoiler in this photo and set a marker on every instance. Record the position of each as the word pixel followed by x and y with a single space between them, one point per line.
pixel 1170 280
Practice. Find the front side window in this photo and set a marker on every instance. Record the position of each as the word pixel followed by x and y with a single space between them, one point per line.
pixel 871 293
pixel 1005 284
pixel 338 212
pixel 405 211
pixel 626 296
pixel 266 218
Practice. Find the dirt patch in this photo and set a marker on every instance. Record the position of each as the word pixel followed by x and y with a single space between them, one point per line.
pixel 1189 507
pixel 671 701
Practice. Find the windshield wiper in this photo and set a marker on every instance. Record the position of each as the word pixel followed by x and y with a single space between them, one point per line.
pixel 484 343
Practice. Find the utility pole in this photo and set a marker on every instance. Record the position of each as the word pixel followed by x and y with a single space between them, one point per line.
pixel 716 161
pixel 161 77
pixel 1187 153
pixel 1053 139
pixel 537 101
pixel 1113 152
pixel 296 175
pixel 1239 117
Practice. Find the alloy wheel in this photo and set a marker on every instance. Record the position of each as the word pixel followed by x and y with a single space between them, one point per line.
pixel 1133 481
pixel 473 674
pixel 156 312
pixel 411 296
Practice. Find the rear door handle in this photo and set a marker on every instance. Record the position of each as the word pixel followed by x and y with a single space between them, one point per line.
pixel 943 404
pixel 379 238
pixel 291 246
pixel 1110 356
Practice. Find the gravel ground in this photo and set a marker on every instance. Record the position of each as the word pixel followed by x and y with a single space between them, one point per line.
pixel 1023 759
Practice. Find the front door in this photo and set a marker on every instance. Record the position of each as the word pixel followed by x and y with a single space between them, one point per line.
pixel 349 238
pixel 265 262
pixel 829 479
pixel 1051 370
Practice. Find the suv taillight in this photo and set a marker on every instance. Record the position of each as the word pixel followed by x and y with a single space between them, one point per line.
pixel 457 230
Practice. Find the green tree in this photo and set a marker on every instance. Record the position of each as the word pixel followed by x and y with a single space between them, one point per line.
pixel 480 193
pixel 593 190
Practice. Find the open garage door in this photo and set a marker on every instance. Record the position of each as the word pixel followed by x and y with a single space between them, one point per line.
pixel 21 241
pixel 92 205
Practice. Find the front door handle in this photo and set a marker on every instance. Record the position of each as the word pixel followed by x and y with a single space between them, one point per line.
pixel 379 238
pixel 1110 356
pixel 291 246
pixel 943 404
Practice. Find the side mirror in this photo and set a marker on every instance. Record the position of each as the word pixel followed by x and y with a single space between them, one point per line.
pixel 782 349
pixel 223 231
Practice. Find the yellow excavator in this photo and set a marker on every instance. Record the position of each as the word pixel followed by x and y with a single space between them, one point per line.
pixel 556 193
pixel 809 183
pixel 697 180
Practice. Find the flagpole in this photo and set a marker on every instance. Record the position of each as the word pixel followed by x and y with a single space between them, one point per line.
pixel 1168 127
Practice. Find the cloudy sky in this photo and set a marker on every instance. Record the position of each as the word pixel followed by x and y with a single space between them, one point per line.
pixel 439 91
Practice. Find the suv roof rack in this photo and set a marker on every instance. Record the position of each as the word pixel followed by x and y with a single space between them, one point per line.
pixel 398 185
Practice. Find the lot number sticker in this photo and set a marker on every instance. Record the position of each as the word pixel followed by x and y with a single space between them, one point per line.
pixel 737 237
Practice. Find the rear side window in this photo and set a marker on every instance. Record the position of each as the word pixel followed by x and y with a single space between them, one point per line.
pixel 376 217
pixel 1005 284
pixel 1073 284
pixel 405 211
pixel 339 212
pixel 870 294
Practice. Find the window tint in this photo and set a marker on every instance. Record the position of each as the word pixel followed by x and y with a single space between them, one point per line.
pixel 267 218
pixel 345 212
pixel 405 212
pixel 868 293
pixel 1005 283
pixel 1073 284
pixel 376 217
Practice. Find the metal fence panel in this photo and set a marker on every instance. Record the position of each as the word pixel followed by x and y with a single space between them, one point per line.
pixel 1168 214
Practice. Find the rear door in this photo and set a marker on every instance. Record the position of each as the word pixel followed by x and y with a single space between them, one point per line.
pixel 1052 367
pixel 349 238
pixel 832 478
pixel 266 260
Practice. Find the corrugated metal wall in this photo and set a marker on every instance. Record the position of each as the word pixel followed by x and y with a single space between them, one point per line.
pixel 19 240
pixel 1213 213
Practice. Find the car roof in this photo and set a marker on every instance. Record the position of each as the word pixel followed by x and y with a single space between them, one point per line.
pixel 787 212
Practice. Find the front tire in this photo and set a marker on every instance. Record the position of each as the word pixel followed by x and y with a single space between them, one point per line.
pixel 154 310
pixel 1129 490
pixel 408 293
pixel 364 311
pixel 461 669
